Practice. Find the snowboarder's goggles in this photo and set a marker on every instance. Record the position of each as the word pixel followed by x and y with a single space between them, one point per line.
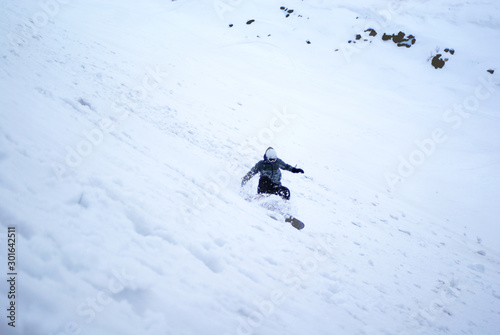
pixel 272 160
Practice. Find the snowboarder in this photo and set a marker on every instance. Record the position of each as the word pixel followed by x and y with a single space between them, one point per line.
pixel 270 175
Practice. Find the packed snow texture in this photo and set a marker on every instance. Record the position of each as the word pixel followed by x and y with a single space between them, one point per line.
pixel 126 127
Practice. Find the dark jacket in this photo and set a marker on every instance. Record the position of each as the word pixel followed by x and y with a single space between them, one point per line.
pixel 272 170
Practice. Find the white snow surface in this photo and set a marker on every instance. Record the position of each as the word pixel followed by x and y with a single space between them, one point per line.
pixel 126 127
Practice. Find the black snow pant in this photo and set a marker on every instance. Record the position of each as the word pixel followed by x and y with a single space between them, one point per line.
pixel 267 186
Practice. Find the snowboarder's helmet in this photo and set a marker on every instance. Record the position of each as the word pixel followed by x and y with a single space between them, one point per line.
pixel 271 155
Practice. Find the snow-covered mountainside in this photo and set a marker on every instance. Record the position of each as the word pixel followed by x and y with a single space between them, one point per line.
pixel 126 127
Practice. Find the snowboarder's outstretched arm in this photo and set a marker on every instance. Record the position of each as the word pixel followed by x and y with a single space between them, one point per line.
pixel 253 171
pixel 246 178
pixel 288 167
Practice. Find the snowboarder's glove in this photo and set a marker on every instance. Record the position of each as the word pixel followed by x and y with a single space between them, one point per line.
pixel 295 170
pixel 247 177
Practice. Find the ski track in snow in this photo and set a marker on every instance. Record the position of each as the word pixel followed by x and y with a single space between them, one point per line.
pixel 125 130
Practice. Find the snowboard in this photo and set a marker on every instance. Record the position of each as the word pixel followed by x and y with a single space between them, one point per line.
pixel 277 208
pixel 296 223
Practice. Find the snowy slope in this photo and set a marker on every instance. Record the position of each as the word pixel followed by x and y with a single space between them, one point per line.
pixel 125 129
